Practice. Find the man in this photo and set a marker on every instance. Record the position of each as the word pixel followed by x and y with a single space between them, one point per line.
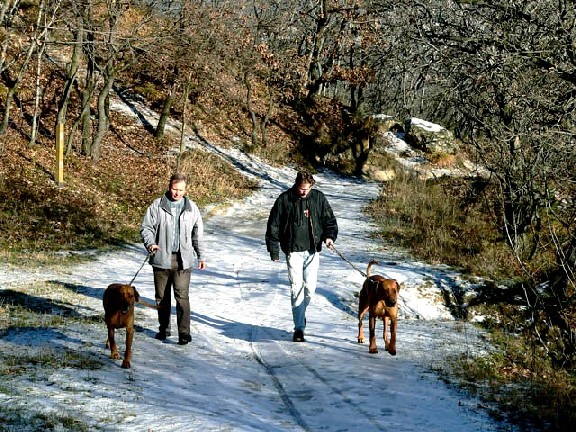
pixel 300 220
pixel 173 233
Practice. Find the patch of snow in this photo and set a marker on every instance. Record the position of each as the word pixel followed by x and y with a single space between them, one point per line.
pixel 432 127
pixel 242 372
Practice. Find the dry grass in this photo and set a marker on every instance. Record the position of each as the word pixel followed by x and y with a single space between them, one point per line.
pixel 520 381
pixel 430 219
pixel 29 311
pixel 100 205
pixel 443 222
pixel 37 422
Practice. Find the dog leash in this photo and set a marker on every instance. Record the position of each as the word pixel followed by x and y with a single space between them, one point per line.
pixel 142 302
pixel 142 265
pixel 348 261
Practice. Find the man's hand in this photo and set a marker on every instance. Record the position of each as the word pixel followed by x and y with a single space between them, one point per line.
pixel 152 249
pixel 202 265
pixel 329 243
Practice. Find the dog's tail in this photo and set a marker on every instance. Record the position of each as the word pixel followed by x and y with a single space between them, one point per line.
pixel 370 264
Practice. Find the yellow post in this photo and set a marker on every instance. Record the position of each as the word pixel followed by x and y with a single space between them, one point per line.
pixel 59 154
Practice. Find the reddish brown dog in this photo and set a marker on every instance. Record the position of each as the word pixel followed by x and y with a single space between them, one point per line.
pixel 119 303
pixel 379 296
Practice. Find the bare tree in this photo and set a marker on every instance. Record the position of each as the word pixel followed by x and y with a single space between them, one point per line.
pixel 105 38
pixel 20 54
pixel 8 14
pixel 503 75
pixel 47 15
pixel 193 48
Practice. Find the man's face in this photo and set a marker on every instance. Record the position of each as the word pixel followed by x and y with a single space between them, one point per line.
pixel 177 190
pixel 303 189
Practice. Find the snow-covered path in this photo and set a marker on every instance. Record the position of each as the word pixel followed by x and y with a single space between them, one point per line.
pixel 242 372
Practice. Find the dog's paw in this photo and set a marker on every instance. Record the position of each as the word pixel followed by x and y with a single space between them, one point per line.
pixel 360 340
pixel 373 350
pixel 115 355
pixel 125 364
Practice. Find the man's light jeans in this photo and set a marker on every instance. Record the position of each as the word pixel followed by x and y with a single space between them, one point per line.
pixel 302 274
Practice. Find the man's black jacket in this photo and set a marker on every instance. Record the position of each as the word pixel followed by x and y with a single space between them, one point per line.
pixel 284 215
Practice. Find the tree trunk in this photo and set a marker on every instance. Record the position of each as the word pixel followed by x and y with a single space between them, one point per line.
pixel 70 79
pixel 38 92
pixel 103 119
pixel 47 22
pixel 6 117
pixel 266 119
pixel 315 71
pixel 12 85
pixel 164 115
pixel 8 9
pixel 85 122
pixel 183 122
pixel 254 129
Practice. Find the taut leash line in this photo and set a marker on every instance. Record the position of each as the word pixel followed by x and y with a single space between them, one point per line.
pixel 348 261
pixel 142 265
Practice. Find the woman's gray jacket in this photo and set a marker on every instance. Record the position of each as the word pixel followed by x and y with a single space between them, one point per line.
pixel 157 227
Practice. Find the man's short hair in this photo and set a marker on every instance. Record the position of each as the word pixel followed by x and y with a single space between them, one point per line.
pixel 178 177
pixel 304 177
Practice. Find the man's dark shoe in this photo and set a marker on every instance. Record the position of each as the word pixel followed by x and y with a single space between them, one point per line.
pixel 298 336
pixel 184 338
pixel 162 335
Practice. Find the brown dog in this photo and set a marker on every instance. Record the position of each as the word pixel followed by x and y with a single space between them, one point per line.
pixel 379 296
pixel 119 303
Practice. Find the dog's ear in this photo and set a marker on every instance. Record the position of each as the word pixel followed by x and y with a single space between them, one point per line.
pixel 380 290
pixel 114 290
pixel 136 294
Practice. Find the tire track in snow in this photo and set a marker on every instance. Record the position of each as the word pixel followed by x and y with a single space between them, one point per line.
pixel 284 396
pixel 288 398
pixel 282 393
